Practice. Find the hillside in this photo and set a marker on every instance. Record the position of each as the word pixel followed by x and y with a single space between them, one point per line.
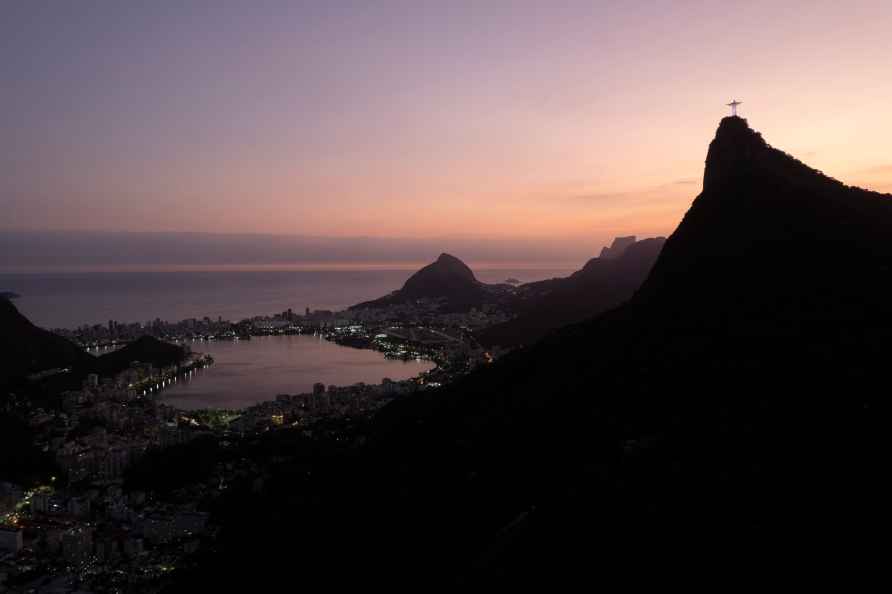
pixel 25 348
pixel 731 403
pixel 603 283
pixel 742 369
pixel 448 280
pixel 145 349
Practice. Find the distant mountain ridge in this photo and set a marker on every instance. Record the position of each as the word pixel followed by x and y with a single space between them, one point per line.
pixel 541 305
pixel 731 398
pixel 617 248
pixel 732 409
pixel 604 282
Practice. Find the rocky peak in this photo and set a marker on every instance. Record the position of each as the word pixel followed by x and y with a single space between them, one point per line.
pixel 735 148
pixel 617 248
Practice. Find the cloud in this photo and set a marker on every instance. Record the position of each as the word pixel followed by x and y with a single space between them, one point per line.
pixel 685 182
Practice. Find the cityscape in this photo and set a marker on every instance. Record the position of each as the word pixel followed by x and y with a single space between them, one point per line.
pixel 96 522
pixel 443 296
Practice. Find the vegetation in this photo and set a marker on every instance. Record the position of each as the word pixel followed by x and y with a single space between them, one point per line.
pixel 169 469
pixel 20 461
pixel 729 402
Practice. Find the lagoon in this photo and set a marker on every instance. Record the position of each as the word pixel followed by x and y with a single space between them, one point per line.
pixel 246 372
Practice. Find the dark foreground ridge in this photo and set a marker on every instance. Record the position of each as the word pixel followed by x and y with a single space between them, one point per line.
pixel 730 403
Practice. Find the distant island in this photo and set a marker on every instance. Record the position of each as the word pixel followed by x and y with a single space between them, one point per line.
pixel 9 295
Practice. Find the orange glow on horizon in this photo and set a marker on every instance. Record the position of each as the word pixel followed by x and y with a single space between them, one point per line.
pixel 515 121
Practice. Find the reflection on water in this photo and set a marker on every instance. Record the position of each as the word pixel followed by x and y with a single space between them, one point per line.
pixel 247 372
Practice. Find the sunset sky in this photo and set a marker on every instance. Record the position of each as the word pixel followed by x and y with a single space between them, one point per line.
pixel 514 119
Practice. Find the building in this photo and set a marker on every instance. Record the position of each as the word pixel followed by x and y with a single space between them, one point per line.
pixel 77 543
pixel 40 502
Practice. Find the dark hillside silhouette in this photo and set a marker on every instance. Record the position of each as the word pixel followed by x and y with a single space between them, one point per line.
pixel 449 280
pixel 603 283
pixel 25 348
pixel 146 349
pixel 617 248
pixel 734 402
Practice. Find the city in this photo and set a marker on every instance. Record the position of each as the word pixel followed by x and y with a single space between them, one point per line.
pixel 401 296
pixel 98 515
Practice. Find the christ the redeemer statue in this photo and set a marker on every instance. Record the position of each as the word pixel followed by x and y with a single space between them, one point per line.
pixel 733 105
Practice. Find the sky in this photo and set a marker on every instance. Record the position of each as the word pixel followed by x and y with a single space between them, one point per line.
pixel 514 120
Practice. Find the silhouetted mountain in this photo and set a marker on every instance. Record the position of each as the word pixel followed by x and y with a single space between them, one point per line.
pixel 447 279
pixel 617 248
pixel 601 284
pixel 146 349
pixel 25 348
pixel 732 402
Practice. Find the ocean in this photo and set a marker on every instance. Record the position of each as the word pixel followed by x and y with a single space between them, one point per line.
pixel 245 372
pixel 69 300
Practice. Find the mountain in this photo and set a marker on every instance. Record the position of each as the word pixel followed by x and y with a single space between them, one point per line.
pixel 732 410
pixel 25 348
pixel 603 283
pixel 733 399
pixel 145 349
pixel 447 279
pixel 769 234
pixel 617 248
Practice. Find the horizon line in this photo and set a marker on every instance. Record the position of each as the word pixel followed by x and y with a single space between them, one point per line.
pixel 342 266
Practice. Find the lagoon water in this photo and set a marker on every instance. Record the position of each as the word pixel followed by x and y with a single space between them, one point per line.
pixel 246 372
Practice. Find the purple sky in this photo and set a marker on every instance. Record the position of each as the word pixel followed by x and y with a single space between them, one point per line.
pixel 516 119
